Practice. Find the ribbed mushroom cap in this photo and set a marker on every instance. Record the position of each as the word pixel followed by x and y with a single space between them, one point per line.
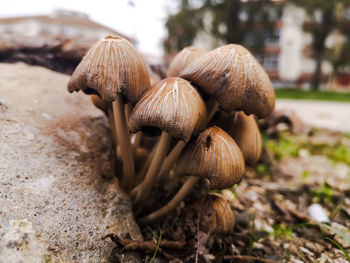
pixel 182 59
pixel 215 214
pixel 111 66
pixel 213 155
pixel 235 78
pixel 247 135
pixel 172 105
pixel 100 103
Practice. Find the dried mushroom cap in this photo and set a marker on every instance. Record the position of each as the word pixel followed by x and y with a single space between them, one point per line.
pixel 235 78
pixel 247 135
pixel 182 59
pixel 215 214
pixel 213 155
pixel 111 66
pixel 172 105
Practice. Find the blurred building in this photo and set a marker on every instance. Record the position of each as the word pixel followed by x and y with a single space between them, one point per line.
pixel 66 23
pixel 287 56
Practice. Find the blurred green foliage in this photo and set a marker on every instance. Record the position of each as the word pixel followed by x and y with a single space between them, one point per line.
pixel 289 145
pixel 322 195
pixel 289 93
pixel 285 147
pixel 282 230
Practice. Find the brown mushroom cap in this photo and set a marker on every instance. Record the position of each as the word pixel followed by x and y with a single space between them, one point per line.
pixel 182 59
pixel 172 105
pixel 235 78
pixel 215 214
pixel 247 135
pixel 213 155
pixel 111 66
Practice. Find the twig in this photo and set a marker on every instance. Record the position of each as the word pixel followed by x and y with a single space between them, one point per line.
pixel 243 257
pixel 148 246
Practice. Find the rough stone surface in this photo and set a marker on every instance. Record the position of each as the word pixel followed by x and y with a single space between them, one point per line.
pixel 58 195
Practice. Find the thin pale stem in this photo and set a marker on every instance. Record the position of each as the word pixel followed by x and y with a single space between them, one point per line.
pixel 142 191
pixel 141 173
pixel 135 142
pixel 170 160
pixel 173 203
pixel 124 143
pixel 127 111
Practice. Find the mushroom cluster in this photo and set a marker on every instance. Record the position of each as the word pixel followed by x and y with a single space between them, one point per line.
pixel 203 116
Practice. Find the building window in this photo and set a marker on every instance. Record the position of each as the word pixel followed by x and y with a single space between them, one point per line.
pixel 273 39
pixel 268 61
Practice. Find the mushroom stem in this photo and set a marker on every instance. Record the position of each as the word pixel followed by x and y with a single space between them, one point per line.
pixel 173 203
pixel 124 142
pixel 142 191
pixel 170 160
pixel 135 141
pixel 212 107
pixel 127 111
pixel 112 126
pixel 141 173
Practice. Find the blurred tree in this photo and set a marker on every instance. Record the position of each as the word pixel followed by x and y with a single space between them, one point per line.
pixel 182 27
pixel 326 17
pixel 246 22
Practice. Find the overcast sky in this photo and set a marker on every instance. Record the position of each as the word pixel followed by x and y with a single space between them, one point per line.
pixel 140 19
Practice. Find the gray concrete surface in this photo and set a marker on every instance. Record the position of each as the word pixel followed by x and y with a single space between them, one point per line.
pixel 330 115
pixel 57 192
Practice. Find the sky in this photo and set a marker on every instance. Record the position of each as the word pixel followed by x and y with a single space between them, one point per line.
pixel 142 20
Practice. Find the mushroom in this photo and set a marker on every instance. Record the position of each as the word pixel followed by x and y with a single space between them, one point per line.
pixel 214 155
pixel 235 78
pixel 173 108
pixel 113 69
pixel 215 214
pixel 247 135
pixel 244 130
pixel 182 59
pixel 140 157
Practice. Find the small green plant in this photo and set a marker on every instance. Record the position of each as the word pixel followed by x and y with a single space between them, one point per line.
pixel 282 230
pixel 285 147
pixel 252 237
pixel 305 174
pixel 341 153
pixel 158 244
pixel 339 246
pixel 261 168
pixel 324 194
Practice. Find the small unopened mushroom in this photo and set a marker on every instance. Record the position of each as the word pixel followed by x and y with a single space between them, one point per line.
pixel 113 69
pixel 214 155
pixel 247 135
pixel 182 59
pixel 172 108
pixel 244 130
pixel 215 214
pixel 235 78
pixel 101 104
